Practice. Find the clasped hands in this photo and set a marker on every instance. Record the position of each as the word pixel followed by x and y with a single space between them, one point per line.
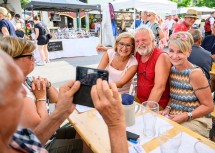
pixel 179 118
pixel 39 86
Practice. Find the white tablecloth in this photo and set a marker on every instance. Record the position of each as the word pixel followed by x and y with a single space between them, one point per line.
pixel 74 48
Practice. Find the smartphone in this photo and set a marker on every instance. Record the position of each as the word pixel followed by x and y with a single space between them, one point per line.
pixel 132 136
pixel 29 81
pixel 87 77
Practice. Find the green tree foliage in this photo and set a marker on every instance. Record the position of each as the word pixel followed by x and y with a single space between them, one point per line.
pixel 183 3
pixel 24 2
pixel 208 3
pixel 187 3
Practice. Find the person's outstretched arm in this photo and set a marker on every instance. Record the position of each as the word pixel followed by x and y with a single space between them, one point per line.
pixel 63 109
pixel 107 101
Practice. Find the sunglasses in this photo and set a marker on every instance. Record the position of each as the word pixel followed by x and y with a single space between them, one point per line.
pixel 149 15
pixel 21 56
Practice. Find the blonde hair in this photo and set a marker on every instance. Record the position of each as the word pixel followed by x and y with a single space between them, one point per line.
pixel 183 40
pixel 4 11
pixel 125 35
pixel 15 46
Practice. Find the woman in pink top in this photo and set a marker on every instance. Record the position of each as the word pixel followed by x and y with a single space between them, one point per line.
pixel 120 62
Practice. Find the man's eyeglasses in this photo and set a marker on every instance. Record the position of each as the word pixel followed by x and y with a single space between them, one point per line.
pixel 28 55
pixel 126 45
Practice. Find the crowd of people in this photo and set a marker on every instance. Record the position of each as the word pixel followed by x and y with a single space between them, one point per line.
pixel 183 92
pixel 15 27
pixel 177 79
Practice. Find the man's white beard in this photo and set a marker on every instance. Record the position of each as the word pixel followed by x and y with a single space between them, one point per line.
pixel 144 50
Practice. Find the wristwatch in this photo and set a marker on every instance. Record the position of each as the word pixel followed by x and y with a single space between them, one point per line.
pixel 190 116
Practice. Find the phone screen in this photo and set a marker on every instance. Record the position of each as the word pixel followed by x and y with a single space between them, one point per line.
pixel 87 77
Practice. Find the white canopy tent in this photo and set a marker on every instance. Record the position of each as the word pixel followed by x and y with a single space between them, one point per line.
pixel 160 6
pixel 202 9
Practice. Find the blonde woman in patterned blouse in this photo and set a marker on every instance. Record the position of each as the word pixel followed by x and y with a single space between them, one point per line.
pixel 190 95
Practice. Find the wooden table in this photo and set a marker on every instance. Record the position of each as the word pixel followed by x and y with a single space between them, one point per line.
pixel 94 131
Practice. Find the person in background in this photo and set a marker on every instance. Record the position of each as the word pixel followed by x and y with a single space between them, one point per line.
pixel 208 43
pixel 190 97
pixel 152 62
pixel 211 22
pixel 137 22
pixel 144 18
pixel 189 19
pixel 199 56
pixel 18 24
pixel 97 27
pixel 6 27
pixel 123 25
pixel 169 22
pixel 42 41
pixel 12 95
pixel 175 24
pixel 156 29
pixel 120 62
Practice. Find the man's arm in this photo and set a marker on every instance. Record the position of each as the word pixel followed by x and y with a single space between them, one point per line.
pixel 5 31
pixel 63 109
pixel 162 70
pixel 107 101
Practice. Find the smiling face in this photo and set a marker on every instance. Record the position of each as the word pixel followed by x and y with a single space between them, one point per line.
pixel 177 57
pixel 144 43
pixel 189 20
pixel 125 47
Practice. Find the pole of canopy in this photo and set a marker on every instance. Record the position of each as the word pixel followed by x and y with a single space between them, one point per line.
pixel 77 20
pixel 100 23
pixel 134 17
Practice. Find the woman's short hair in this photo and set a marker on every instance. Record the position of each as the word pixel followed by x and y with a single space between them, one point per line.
pixel 183 40
pixel 15 46
pixel 3 11
pixel 125 35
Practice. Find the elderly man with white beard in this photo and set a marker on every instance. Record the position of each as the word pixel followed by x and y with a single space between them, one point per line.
pixel 153 69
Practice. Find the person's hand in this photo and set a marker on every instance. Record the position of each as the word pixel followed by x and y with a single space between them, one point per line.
pixel 39 87
pixel 107 101
pixel 100 48
pixel 39 83
pixel 164 112
pixel 65 97
pixel 179 118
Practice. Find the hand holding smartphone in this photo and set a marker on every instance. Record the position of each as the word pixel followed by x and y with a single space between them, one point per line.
pixel 87 77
